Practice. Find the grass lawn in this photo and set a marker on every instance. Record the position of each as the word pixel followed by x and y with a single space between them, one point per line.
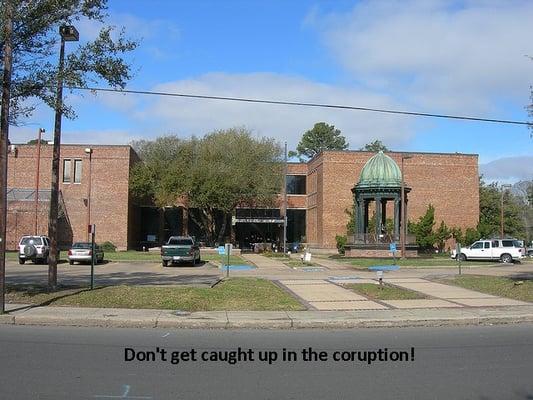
pixel 236 294
pixel 431 262
pixel 300 264
pixel 496 285
pixel 385 292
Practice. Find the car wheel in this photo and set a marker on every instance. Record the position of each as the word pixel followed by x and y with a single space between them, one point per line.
pixel 462 257
pixel 71 262
pixel 165 263
pixel 506 258
pixel 22 261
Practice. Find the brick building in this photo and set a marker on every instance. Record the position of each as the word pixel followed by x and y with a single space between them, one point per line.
pixel 111 208
pixel 447 181
pixel 318 193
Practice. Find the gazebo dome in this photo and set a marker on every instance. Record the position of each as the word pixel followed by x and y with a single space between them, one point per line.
pixel 380 171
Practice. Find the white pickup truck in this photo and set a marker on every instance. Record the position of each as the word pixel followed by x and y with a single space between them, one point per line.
pixel 504 250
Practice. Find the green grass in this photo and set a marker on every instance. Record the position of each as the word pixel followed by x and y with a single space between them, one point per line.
pixel 275 255
pixel 495 285
pixel 429 262
pixel 385 292
pixel 236 294
pixel 300 264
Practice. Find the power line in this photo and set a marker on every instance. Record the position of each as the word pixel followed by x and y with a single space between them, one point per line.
pixel 304 104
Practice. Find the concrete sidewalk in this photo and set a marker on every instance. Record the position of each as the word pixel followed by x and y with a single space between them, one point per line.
pixel 132 318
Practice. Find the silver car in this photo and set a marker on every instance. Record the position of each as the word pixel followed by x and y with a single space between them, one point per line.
pixel 81 252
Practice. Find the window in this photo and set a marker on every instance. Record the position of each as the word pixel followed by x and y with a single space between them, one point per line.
pixel 67 164
pixel 180 241
pixel 77 171
pixel 487 245
pixel 296 184
pixel 495 243
pixel 477 245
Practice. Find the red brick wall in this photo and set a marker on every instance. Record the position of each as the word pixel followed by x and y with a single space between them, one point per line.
pixel 109 192
pixel 448 181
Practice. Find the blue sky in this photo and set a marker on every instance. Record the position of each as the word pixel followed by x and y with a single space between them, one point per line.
pixel 450 57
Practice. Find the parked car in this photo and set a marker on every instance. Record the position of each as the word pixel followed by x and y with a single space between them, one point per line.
pixel 34 248
pixel 82 252
pixel 178 249
pixel 504 250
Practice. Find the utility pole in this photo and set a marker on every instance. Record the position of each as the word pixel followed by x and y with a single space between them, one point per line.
pixel 68 33
pixel 403 219
pixel 4 139
pixel 285 203
pixel 504 186
pixel 37 178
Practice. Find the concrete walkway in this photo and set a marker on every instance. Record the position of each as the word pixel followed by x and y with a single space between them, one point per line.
pixel 324 295
pixel 453 294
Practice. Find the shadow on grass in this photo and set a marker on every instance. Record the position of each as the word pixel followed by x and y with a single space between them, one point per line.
pixel 102 277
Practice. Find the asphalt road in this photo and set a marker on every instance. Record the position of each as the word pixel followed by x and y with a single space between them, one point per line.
pixel 493 362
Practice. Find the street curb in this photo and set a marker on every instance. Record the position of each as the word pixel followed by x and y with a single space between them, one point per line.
pixel 223 320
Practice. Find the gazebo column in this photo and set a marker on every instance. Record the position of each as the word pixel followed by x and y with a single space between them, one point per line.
pixel 365 226
pixel 396 218
pixel 384 212
pixel 378 217
pixel 359 218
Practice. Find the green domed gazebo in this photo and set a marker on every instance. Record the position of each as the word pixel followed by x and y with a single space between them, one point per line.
pixel 380 182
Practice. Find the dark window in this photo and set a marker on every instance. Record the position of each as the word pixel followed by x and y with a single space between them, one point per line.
pixel 296 226
pixel 77 171
pixel 296 184
pixel 81 245
pixel 487 245
pixel 507 243
pixel 477 245
pixel 66 170
pixel 495 243
pixel 179 241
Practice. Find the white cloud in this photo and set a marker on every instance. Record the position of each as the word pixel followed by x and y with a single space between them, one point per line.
pixel 190 116
pixel 436 55
pixel 508 169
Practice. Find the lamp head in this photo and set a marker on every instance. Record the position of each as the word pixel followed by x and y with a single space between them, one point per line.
pixel 69 33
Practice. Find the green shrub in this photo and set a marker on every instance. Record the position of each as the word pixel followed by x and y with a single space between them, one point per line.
pixel 108 246
pixel 341 242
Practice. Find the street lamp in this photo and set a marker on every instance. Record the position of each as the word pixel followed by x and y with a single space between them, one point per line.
pixel 89 152
pixel 37 177
pixel 403 231
pixel 505 186
pixel 68 34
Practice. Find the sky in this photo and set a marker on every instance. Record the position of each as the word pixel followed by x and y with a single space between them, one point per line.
pixel 447 57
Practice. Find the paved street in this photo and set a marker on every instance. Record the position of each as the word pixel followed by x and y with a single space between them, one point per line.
pixel 493 362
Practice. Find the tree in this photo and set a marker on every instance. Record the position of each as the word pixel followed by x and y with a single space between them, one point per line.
pixel 490 212
pixel 442 234
pixel 375 146
pixel 35 39
pixel 35 141
pixel 321 137
pixel 215 174
pixel 423 229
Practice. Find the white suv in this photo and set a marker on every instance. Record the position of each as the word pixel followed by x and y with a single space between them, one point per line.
pixel 35 248
pixel 504 250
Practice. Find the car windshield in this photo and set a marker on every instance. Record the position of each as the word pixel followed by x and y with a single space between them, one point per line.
pixel 81 245
pixel 32 240
pixel 180 241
